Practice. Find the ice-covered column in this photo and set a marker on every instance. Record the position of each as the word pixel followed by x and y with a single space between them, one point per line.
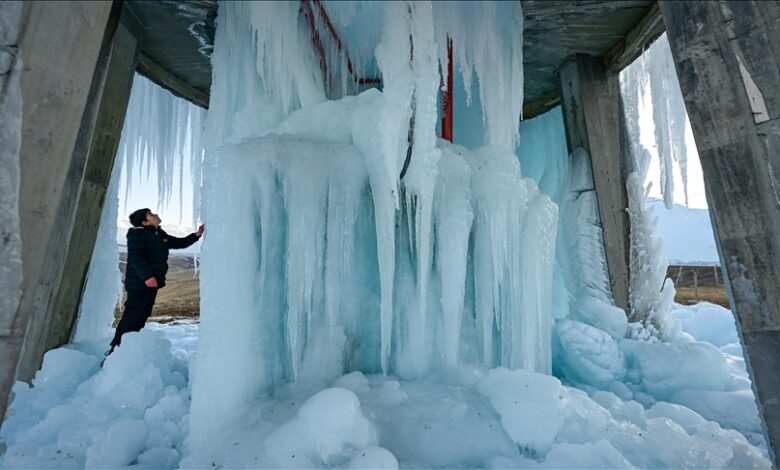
pixel 727 56
pixel 590 97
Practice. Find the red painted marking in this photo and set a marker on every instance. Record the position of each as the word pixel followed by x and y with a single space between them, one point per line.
pixel 446 116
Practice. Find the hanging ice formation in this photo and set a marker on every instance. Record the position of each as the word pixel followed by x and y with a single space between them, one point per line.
pixel 164 134
pixel 104 285
pixel 319 259
pixel 161 132
pixel 651 82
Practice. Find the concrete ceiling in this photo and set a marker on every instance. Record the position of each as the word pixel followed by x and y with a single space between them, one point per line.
pixel 178 36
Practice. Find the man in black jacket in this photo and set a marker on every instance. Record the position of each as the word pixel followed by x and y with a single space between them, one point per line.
pixel 147 264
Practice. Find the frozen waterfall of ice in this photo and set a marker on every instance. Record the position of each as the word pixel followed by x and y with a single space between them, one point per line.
pixel 319 260
pixel 452 288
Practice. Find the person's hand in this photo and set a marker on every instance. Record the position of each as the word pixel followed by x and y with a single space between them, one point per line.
pixel 200 231
pixel 151 283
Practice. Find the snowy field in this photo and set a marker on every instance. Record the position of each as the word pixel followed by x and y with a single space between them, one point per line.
pixel 687 234
pixel 686 403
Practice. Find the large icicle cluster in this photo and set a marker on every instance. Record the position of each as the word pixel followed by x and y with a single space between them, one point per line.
pixel 321 258
pixel 650 84
pixel 163 134
pixel 487 41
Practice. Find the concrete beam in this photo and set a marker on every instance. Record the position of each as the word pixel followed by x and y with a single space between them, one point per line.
pixel 112 107
pixel 159 75
pixel 622 54
pixel 541 106
pixel 591 108
pixel 64 47
pixel 727 56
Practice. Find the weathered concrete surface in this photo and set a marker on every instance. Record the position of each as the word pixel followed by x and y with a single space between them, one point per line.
pixel 64 47
pixel 591 109
pixel 112 107
pixel 727 56
pixel 12 19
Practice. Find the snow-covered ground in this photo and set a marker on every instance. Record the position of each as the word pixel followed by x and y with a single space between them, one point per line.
pixel 682 404
pixel 687 234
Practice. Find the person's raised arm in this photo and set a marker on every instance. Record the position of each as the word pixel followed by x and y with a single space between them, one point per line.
pixel 176 243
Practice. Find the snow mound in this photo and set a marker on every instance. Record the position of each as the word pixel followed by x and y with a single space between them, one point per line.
pixel 329 426
pixel 665 368
pixel 132 411
pixel 511 391
pixel 708 322
pixel 135 413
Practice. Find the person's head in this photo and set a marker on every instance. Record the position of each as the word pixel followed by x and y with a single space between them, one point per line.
pixel 144 218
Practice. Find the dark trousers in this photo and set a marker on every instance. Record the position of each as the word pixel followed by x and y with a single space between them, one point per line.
pixel 138 308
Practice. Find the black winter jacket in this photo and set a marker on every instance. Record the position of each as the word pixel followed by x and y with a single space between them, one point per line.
pixel 147 255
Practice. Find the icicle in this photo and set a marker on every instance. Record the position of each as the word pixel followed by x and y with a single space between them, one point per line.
pixel 162 133
pixel 393 58
pixel 487 38
pixel 656 79
pixel 420 180
pixel 533 344
pixel 500 201
pixel 284 64
pixel 104 284
pixel 653 79
pixel 454 217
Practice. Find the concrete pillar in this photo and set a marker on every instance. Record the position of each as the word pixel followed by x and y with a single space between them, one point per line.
pixel 727 56
pixel 64 47
pixel 590 96
pixel 57 326
pixel 12 19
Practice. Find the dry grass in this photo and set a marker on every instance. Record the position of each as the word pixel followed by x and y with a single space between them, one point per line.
pixel 686 295
pixel 181 295
pixel 696 284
